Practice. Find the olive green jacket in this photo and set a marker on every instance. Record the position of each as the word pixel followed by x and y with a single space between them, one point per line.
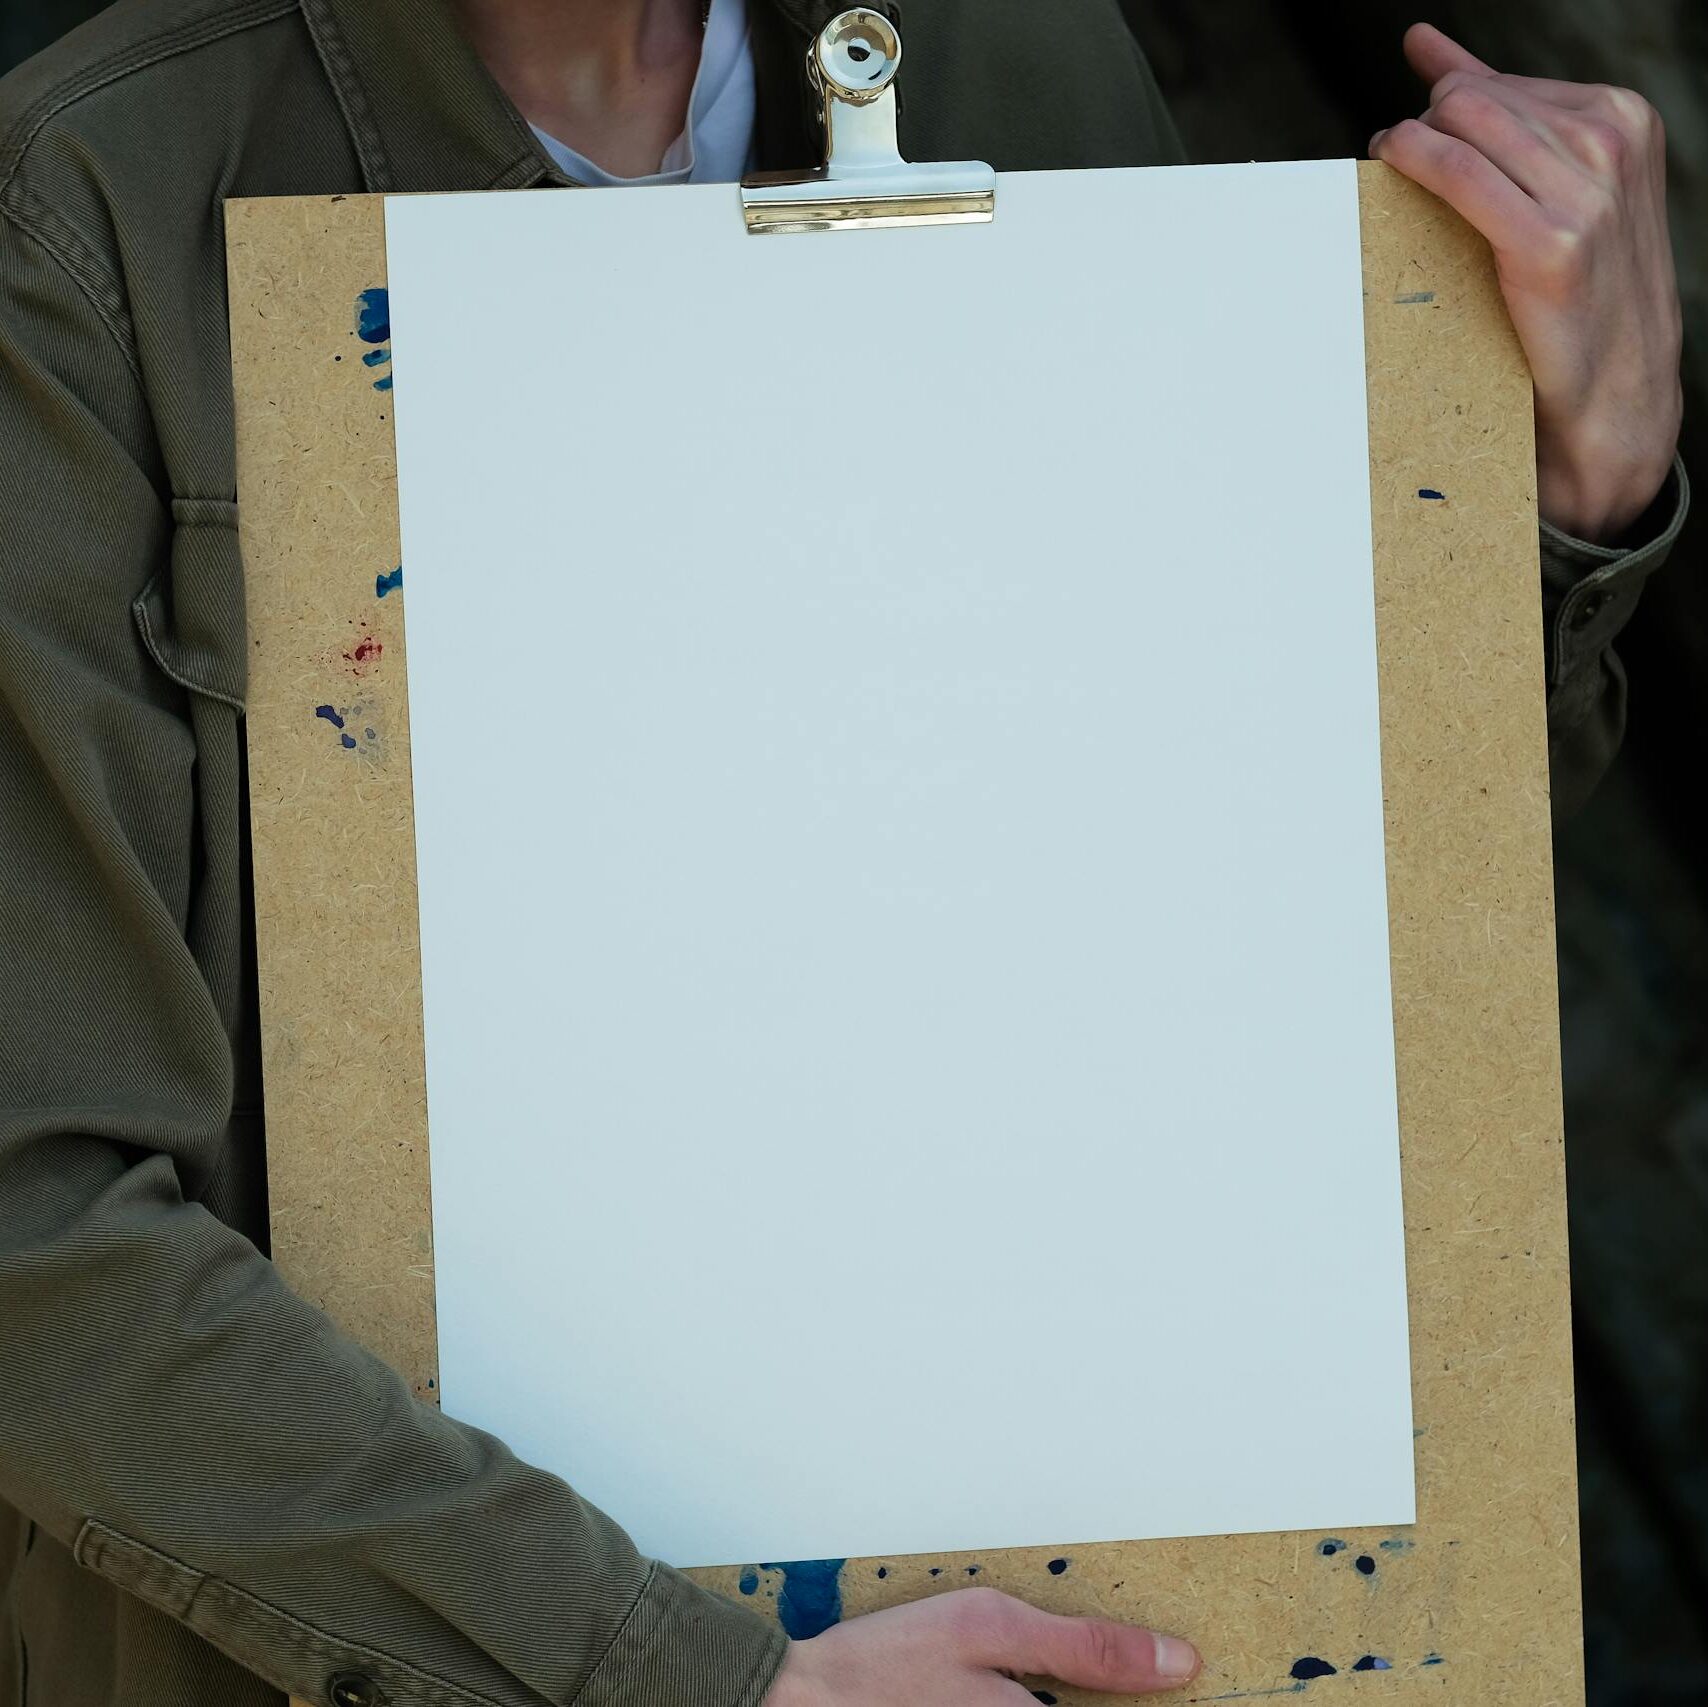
pixel 207 1494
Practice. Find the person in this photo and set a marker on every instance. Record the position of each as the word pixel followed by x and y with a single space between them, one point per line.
pixel 207 1493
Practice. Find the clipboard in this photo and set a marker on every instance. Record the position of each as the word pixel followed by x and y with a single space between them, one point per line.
pixel 1480 1597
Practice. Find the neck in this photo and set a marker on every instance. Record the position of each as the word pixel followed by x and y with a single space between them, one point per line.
pixel 611 78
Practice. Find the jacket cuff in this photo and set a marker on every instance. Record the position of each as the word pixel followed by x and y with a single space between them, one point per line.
pixel 681 1645
pixel 1589 591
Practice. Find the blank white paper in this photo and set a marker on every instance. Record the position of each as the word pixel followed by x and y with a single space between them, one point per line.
pixel 903 926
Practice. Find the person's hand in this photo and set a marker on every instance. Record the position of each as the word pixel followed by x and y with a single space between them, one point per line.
pixel 965 1648
pixel 1567 181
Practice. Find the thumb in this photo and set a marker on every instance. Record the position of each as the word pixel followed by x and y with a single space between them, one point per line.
pixel 1432 53
pixel 1090 1653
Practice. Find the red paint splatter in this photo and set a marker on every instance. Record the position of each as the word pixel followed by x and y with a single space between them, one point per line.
pixel 364 655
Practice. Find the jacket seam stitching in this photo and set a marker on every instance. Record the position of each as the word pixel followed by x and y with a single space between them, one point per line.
pixel 766 1655
pixel 94 1530
pixel 186 508
pixel 118 328
pixel 303 1633
pixel 1619 575
pixel 1603 558
pixel 136 56
pixel 617 1635
pixel 339 68
pixel 300 1631
pixel 139 609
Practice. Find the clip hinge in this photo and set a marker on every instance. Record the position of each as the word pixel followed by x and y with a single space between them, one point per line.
pixel 864 181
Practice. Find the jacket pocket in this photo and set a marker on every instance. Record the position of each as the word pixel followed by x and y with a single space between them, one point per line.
pixel 296 1657
pixel 164 1582
pixel 190 615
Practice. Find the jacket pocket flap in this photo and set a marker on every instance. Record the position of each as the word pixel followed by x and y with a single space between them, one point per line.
pixel 191 615
pixel 138 1569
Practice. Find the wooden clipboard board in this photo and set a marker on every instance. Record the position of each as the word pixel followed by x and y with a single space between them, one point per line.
pixel 1477 1602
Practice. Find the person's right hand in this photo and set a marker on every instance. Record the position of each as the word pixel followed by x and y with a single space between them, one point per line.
pixel 964 1649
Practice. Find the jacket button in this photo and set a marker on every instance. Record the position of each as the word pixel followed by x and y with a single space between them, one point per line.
pixel 353 1689
pixel 1591 607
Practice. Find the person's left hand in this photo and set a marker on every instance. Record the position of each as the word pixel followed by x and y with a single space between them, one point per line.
pixel 1567 181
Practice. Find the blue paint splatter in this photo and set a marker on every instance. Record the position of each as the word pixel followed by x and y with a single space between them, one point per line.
pixel 972 1570
pixel 1399 1546
pixel 1057 1566
pixel 1310 1666
pixel 1432 1660
pixel 1045 1696
pixel 388 583
pixel 1373 1662
pixel 1416 296
pixel 1430 492
pixel 749 1583
pixel 1328 1549
pixel 811 1600
pixel 373 315
pixel 1365 1565
pixel 936 1570
pixel 348 720
pixel 883 1571
pixel 373 326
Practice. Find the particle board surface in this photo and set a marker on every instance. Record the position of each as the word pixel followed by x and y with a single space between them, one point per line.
pixel 1478 1602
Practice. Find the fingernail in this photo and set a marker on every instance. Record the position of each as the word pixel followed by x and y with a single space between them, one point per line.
pixel 1376 141
pixel 1176 1659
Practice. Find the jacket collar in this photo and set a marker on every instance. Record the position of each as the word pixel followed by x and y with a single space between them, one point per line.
pixel 425 114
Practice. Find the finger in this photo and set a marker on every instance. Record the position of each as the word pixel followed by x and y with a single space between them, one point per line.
pixel 1579 97
pixel 1598 129
pixel 1562 112
pixel 1472 185
pixel 1434 56
pixel 1432 53
pixel 1090 1653
pixel 1513 135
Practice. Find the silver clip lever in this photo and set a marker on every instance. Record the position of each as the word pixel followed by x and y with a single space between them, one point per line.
pixel 864 182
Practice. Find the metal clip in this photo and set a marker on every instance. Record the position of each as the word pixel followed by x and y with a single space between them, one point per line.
pixel 864 181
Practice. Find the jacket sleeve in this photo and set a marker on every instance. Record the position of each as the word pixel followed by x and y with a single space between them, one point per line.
pixel 1588 595
pixel 172 1412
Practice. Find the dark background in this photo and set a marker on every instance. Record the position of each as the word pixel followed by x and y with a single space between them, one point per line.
pixel 1279 79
